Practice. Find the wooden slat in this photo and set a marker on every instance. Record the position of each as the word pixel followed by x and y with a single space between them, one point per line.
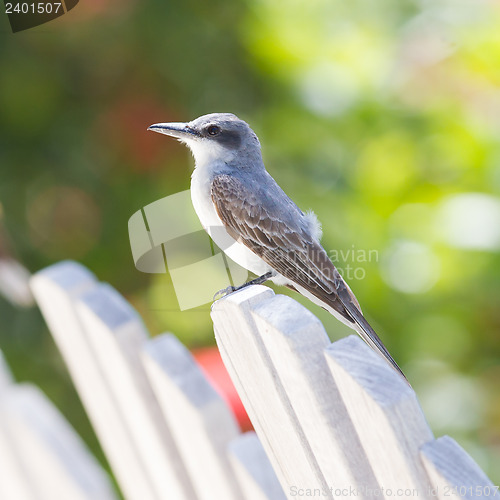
pixel 5 375
pixel 14 282
pixel 117 336
pixel 262 392
pixel 56 462
pixel 253 469
pixel 56 289
pixel 14 481
pixel 295 340
pixel 453 473
pixel 202 425
pixel 386 415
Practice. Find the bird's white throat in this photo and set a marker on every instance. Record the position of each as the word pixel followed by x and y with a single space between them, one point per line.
pixel 206 152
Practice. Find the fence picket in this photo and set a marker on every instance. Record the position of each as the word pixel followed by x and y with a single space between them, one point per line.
pixel 56 461
pixel 295 340
pixel 117 336
pixel 386 414
pixel 5 374
pixel 198 417
pixel 262 392
pixel 253 469
pixel 14 483
pixel 14 282
pixel 453 473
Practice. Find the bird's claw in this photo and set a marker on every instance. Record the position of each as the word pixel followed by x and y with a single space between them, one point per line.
pixel 224 292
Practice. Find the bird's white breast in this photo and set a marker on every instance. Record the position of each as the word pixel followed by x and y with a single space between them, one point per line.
pixel 202 202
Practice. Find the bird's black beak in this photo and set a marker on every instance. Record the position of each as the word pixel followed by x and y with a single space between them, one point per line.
pixel 178 130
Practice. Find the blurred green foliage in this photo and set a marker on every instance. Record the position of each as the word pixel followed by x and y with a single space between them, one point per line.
pixel 383 117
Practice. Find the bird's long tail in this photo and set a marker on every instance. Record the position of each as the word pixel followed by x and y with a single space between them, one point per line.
pixel 365 331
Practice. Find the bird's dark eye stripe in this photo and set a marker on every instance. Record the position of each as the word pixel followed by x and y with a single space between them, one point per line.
pixel 213 130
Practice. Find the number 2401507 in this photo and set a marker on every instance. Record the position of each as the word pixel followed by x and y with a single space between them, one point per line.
pixel 33 8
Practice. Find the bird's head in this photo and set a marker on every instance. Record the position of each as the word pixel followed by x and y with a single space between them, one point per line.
pixel 214 137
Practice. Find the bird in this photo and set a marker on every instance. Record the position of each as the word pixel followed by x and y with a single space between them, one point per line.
pixel 253 221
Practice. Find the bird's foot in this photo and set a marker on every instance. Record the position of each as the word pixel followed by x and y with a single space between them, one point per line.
pixel 260 279
pixel 230 289
pixel 224 292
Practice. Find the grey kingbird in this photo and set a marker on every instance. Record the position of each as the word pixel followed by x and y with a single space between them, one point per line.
pixel 256 224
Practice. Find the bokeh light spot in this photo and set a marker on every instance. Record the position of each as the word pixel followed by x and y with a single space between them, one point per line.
pixel 410 267
pixel 328 89
pixel 470 220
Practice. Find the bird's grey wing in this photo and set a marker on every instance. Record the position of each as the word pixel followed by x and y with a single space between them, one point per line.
pixel 278 234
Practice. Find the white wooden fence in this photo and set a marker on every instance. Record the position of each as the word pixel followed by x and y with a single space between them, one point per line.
pixel 334 419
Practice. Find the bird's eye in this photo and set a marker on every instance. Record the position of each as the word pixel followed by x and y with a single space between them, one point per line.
pixel 213 130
